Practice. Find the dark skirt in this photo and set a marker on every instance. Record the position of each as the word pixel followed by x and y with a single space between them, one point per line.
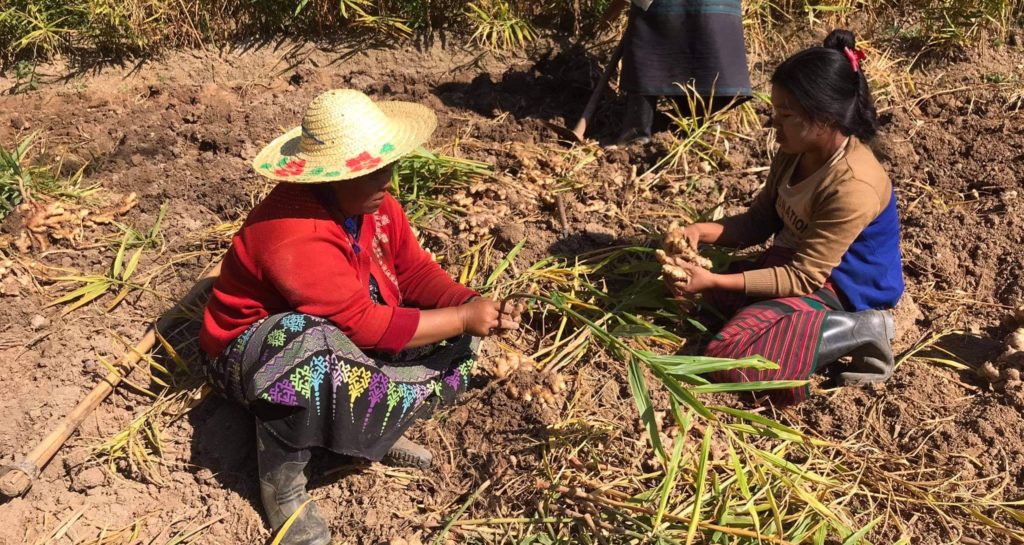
pixel 682 41
pixel 786 331
pixel 312 387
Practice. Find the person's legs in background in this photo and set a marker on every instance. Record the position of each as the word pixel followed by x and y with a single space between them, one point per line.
pixel 704 106
pixel 637 121
pixel 642 119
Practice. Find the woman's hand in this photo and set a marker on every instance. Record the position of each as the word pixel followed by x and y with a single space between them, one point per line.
pixel 693 234
pixel 700 279
pixel 703 233
pixel 481 316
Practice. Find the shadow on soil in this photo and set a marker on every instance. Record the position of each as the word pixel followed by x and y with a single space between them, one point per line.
pixel 555 89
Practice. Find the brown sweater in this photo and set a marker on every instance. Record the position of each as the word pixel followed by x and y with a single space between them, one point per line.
pixel 818 218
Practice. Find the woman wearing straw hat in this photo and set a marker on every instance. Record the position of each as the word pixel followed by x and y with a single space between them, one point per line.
pixel 329 322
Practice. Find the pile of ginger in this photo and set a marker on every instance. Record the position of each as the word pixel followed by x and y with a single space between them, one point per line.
pixel 676 252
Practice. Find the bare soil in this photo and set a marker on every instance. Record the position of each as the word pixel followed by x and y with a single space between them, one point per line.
pixel 181 131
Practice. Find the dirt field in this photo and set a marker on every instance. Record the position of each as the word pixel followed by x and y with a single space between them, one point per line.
pixel 181 131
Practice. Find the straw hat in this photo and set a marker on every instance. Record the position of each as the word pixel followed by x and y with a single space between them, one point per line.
pixel 345 135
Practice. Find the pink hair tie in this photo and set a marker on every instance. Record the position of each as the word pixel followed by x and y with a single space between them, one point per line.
pixel 855 56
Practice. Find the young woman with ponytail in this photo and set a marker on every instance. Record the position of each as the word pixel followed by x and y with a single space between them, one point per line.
pixel 822 290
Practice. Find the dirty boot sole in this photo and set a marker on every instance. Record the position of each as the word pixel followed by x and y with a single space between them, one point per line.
pixel 873 369
pixel 309 528
pixel 406 453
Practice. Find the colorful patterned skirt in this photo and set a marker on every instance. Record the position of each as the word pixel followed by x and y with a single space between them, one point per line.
pixel 309 385
pixel 786 331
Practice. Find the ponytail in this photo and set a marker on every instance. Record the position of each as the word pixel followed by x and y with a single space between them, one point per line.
pixel 830 85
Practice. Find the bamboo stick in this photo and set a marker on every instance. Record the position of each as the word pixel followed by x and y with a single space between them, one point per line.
pixel 17 478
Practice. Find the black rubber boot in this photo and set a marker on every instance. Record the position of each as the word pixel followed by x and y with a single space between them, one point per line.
pixel 283 490
pixel 405 453
pixel 636 124
pixel 865 336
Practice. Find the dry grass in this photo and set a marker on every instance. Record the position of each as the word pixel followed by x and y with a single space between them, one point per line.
pixel 21 179
pixel 182 531
pixel 38 29
pixel 702 138
pixel 498 26
pixel 175 387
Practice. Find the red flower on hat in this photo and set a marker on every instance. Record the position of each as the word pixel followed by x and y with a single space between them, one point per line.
pixel 291 168
pixel 362 161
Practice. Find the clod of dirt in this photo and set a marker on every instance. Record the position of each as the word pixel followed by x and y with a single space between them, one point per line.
pixel 509 234
pixel 1015 341
pixel 89 478
pixel 906 315
pixel 1013 348
pixel 414 539
pixel 10 287
pixel 1019 315
pixel 19 122
pixel 39 322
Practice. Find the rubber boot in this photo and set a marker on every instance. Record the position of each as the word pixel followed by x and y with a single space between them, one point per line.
pixel 283 490
pixel 405 453
pixel 865 336
pixel 636 124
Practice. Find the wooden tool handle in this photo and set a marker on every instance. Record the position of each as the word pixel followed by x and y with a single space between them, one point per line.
pixel 17 478
pixel 595 97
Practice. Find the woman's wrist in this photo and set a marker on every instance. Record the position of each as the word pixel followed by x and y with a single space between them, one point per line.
pixel 461 312
pixel 702 233
pixel 710 232
pixel 729 282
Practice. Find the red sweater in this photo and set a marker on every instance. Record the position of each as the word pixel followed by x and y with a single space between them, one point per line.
pixel 291 256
